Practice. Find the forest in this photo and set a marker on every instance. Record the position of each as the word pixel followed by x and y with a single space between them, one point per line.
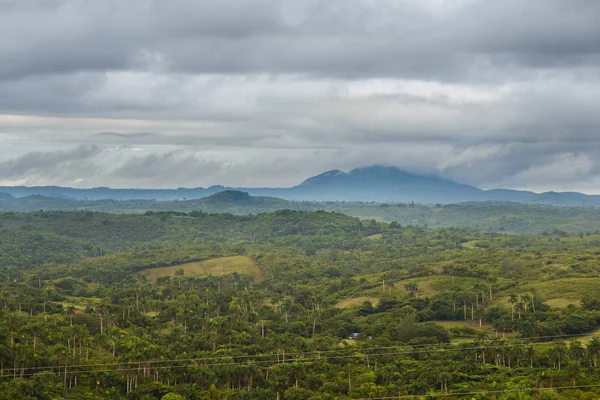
pixel 292 304
pixel 484 215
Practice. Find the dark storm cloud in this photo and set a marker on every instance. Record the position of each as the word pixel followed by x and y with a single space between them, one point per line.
pixel 330 38
pixel 72 36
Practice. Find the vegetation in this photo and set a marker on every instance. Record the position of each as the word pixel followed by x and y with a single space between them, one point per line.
pixel 479 216
pixel 292 305
pixel 242 265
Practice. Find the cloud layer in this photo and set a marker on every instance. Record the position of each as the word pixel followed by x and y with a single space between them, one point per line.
pixel 186 93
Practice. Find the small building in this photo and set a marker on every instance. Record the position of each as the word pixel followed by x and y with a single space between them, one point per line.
pixel 353 336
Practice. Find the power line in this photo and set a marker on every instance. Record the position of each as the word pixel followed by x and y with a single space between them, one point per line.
pixel 412 396
pixel 509 340
pixel 294 355
pixel 144 364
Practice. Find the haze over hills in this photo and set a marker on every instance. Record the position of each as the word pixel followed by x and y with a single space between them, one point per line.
pixel 373 183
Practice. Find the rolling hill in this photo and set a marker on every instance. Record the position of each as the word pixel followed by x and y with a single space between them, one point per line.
pixel 366 184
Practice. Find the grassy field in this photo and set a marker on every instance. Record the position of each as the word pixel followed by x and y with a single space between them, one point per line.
pixel 357 301
pixel 470 244
pixel 432 285
pixel 216 266
pixel 567 288
pixel 561 303
pixel 375 236
pixel 377 218
pixel 557 293
pixel 80 303
pixel 485 326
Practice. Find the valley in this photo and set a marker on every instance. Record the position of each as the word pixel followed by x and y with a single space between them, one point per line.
pixel 225 297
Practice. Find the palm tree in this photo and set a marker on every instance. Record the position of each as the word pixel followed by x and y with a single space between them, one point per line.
pixel 36 330
pixel 576 350
pixel 70 312
pixel 573 371
pixel 286 306
pixel 14 323
pixel 479 288
pixel 481 338
pixel 412 288
pixel 276 298
pixel 557 355
pixel 525 299
pixel 100 311
pixel 530 355
pixel 520 307
pixel 390 285
pixel 512 299
pixel 593 349
pixel 443 377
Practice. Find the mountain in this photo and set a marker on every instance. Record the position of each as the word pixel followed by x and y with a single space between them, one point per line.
pixel 379 183
pixel 100 193
pixel 5 196
pixel 228 201
pixel 382 184
pixel 508 195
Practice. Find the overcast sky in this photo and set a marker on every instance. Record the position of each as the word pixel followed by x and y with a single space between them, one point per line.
pixel 171 93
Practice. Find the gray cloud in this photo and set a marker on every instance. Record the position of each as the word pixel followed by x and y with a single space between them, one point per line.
pixel 185 93
pixel 37 164
pixel 332 38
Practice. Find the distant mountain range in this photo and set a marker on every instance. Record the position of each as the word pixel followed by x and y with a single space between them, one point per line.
pixel 383 184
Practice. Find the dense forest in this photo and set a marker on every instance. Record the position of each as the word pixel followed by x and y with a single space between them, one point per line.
pixel 483 216
pixel 296 305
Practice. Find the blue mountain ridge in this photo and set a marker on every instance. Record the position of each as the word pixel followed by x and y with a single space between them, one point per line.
pixel 377 183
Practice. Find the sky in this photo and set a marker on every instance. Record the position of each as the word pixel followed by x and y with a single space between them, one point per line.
pixel 186 93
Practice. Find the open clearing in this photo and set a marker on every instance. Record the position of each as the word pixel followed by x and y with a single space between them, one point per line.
pixel 374 237
pixel 561 303
pixel 370 217
pixel 470 244
pixel 357 301
pixel 432 285
pixel 485 326
pixel 569 288
pixel 588 338
pixel 216 266
pixel 566 289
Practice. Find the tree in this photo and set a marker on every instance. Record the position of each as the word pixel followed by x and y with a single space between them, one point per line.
pixel 573 371
pixel 530 355
pixel 172 396
pixel 70 313
pixel 557 354
pixel 576 351
pixel 520 306
pixel 512 299
pixel 287 306
pixel 593 349
pixel 412 288
pixel 526 300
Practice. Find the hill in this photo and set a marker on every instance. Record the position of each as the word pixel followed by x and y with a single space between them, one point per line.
pixel 191 303
pixel 507 217
pixel 376 183
pixel 232 200
pixel 135 291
